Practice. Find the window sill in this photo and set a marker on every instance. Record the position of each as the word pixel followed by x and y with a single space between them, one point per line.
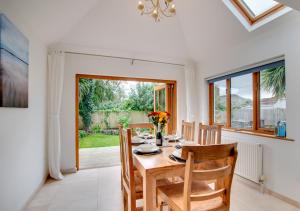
pixel 257 134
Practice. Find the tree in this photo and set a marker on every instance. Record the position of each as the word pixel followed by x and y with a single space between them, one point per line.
pixel 84 87
pixel 107 91
pixel 94 94
pixel 273 80
pixel 220 101
pixel 86 103
pixel 141 98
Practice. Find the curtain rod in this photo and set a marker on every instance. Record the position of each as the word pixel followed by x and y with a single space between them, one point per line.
pixel 257 64
pixel 126 58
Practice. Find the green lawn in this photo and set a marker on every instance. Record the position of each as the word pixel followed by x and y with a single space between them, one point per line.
pixel 99 140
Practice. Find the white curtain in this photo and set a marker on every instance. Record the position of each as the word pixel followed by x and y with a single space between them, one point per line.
pixel 55 88
pixel 191 91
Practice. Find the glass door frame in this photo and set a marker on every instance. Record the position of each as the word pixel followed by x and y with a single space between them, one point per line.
pixel 171 103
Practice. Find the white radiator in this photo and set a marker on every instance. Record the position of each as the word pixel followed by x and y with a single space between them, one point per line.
pixel 250 160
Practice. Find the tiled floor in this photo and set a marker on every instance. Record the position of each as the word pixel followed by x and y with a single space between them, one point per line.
pixel 99 190
pixel 99 157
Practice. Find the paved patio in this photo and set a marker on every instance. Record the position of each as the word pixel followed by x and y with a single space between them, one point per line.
pixel 99 157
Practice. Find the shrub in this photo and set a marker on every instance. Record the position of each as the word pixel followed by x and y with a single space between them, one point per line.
pixel 82 133
pixel 96 129
pixel 124 121
pixel 112 131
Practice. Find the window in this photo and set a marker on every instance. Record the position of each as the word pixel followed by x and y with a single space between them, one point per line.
pixel 256 10
pixel 253 99
pixel 255 13
pixel 258 7
pixel 241 101
pixel 220 102
pixel 272 97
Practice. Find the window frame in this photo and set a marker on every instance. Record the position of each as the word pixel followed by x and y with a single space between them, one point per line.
pixel 256 106
pixel 248 16
pixel 212 98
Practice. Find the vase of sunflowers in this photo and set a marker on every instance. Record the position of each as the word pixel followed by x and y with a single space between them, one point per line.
pixel 159 119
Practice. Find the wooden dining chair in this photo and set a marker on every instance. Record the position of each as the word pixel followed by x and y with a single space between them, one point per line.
pixel 141 126
pixel 188 130
pixel 209 134
pixel 197 193
pixel 131 180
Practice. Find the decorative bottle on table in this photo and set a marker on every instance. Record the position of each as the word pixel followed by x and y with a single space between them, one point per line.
pixel 159 137
pixel 159 120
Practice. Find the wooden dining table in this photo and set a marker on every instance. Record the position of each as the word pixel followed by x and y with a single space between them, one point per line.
pixel 154 167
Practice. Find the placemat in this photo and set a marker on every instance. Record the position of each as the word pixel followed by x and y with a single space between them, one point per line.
pixel 172 157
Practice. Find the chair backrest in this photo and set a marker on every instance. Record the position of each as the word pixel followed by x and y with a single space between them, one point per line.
pixel 188 130
pixel 141 126
pixel 128 181
pixel 221 175
pixel 209 134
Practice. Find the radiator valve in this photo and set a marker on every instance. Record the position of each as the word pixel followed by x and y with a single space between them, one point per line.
pixel 262 179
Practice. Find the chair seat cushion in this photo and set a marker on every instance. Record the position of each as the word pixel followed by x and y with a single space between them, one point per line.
pixel 173 195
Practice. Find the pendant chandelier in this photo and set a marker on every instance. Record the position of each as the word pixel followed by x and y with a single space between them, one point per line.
pixel 157 8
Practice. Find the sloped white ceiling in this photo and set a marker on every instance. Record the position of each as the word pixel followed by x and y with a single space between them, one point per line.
pixel 48 19
pixel 201 29
pixel 295 4
pixel 117 25
pixel 210 28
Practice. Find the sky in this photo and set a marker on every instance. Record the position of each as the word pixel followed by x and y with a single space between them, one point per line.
pixel 128 85
pixel 260 6
pixel 241 86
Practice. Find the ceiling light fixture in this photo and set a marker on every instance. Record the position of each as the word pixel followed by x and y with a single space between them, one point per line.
pixel 157 8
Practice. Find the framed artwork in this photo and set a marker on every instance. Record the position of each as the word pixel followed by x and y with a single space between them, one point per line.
pixel 14 61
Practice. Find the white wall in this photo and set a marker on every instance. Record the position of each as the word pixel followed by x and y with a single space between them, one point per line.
pixel 281 159
pixel 23 131
pixel 76 64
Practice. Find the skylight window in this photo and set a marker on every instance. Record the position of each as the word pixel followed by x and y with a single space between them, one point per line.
pixel 258 7
pixel 255 13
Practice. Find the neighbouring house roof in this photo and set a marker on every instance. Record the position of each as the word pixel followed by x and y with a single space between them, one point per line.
pixel 273 102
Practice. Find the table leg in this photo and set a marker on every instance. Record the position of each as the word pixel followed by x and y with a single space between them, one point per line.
pixel 149 192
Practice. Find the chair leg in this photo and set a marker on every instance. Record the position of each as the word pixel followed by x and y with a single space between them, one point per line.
pixel 125 200
pixel 160 203
pixel 132 202
pixel 121 182
pixel 161 207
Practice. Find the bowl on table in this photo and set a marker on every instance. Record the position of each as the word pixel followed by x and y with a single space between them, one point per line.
pixel 172 137
pixel 147 148
pixel 145 136
pixel 177 153
pixel 176 156
pixel 137 140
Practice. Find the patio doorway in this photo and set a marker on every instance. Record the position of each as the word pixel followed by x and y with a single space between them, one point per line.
pixel 104 102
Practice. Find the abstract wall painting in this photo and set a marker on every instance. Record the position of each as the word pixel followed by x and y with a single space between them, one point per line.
pixel 14 61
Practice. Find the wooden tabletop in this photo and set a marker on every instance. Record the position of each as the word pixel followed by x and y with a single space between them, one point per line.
pixel 153 167
pixel 159 161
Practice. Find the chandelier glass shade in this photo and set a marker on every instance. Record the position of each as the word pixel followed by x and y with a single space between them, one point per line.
pixel 157 9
